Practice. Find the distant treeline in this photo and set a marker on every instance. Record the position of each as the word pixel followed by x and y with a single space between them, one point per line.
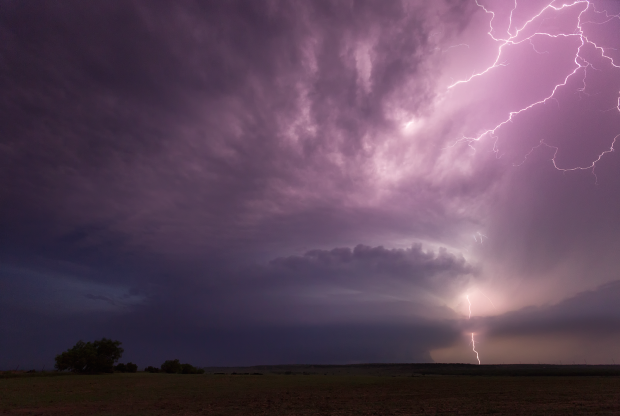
pixel 175 367
pixel 126 368
pixel 99 357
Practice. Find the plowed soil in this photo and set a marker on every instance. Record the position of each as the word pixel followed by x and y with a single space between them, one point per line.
pixel 269 394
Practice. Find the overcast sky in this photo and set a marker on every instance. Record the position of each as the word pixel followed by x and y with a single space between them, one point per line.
pixel 272 182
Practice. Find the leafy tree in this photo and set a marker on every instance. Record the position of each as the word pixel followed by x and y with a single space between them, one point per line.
pixel 120 367
pixel 171 366
pixel 175 367
pixel 187 369
pixel 190 369
pixel 90 357
pixel 151 369
pixel 131 367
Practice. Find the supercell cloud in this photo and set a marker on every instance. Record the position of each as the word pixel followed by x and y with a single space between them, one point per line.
pixel 235 182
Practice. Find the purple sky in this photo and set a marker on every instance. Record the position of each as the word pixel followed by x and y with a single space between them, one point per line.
pixel 271 182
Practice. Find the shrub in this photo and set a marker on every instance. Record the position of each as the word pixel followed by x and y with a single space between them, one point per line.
pixel 151 369
pixel 121 368
pixel 171 366
pixel 175 367
pixel 90 357
pixel 131 367
pixel 190 369
pixel 187 369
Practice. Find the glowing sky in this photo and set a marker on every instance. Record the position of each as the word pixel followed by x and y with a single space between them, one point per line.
pixel 239 182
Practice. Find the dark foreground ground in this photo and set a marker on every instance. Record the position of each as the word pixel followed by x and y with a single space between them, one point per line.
pixel 310 394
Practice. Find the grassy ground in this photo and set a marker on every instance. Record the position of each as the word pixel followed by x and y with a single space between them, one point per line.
pixel 269 394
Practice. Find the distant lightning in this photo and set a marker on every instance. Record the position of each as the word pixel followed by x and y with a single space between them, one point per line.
pixel 581 65
pixel 473 343
pixel 555 151
pixel 489 299
pixel 455 46
pixel 480 236
pixel 473 347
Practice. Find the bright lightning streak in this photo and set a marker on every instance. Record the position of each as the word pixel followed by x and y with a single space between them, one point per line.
pixel 473 343
pixel 510 17
pixel 473 347
pixel 581 63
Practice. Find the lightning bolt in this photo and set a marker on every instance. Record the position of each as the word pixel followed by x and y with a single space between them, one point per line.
pixel 473 343
pixel 480 236
pixel 455 46
pixel 473 347
pixel 581 65
pixel 489 299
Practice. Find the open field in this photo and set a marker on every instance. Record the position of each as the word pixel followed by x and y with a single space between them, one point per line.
pixel 312 394
pixel 428 369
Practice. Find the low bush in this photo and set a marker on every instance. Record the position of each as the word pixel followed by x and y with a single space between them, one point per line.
pixel 175 367
pixel 190 369
pixel 171 366
pixel 126 368
pixel 131 367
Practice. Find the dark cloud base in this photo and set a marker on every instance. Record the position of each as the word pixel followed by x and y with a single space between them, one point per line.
pixel 32 341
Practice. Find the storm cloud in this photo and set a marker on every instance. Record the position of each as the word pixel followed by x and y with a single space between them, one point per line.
pixel 310 176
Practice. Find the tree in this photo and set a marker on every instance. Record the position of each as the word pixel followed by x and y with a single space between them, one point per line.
pixel 190 369
pixel 175 367
pixel 187 369
pixel 131 367
pixel 171 366
pixel 126 368
pixel 90 357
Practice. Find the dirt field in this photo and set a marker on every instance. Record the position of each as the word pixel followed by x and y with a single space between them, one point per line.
pixel 269 394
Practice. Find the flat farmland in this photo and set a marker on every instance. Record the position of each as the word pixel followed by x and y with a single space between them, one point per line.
pixel 311 394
